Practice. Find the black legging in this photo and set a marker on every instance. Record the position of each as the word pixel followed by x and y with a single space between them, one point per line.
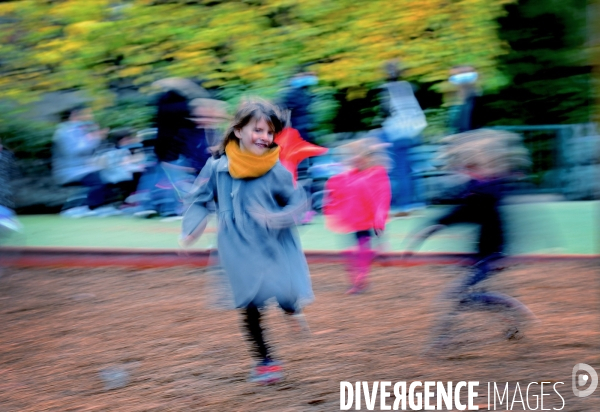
pixel 255 332
pixel 363 233
pixel 252 323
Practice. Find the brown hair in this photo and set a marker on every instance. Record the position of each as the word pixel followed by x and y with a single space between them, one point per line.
pixel 497 152
pixel 248 110
pixel 370 150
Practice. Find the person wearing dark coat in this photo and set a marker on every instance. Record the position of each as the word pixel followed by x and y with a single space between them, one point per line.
pixel 297 99
pixel 174 129
pixel 467 114
pixel 172 117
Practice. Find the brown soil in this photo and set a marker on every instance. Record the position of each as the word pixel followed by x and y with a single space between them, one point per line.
pixel 62 327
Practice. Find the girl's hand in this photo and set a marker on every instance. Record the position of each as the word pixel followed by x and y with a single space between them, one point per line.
pixel 181 251
pixel 259 214
pixel 186 241
pixel 189 240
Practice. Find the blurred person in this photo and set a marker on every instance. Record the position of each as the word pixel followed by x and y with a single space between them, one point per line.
pixel 297 98
pixel 489 158
pixel 208 116
pixel 8 168
pixel 465 114
pixel 158 192
pixel 257 209
pixel 172 116
pixel 121 168
pixel 402 127
pixel 74 161
pixel 358 201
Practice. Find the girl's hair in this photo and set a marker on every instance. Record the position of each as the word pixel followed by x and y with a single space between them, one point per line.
pixel 496 152
pixel 253 109
pixel 370 152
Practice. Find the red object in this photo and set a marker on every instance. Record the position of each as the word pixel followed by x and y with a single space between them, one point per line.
pixel 358 200
pixel 295 149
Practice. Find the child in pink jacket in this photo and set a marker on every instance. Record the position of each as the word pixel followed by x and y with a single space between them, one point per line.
pixel 358 201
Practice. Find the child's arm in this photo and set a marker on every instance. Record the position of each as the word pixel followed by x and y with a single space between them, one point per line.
pixel 293 199
pixel 417 239
pixel 72 142
pixel 196 217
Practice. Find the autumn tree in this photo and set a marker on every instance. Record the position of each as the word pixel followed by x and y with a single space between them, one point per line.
pixel 103 46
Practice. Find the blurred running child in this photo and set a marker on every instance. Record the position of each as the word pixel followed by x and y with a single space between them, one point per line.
pixel 257 209
pixel 490 158
pixel 358 201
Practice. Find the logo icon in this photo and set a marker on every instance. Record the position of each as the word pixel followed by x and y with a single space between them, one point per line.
pixel 582 380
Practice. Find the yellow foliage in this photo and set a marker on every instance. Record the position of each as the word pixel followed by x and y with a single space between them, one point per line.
pixel 131 71
pixel 80 28
pixel 7 8
pixel 234 43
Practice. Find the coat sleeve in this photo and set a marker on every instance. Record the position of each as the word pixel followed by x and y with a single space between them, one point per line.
pixel 198 200
pixel 292 200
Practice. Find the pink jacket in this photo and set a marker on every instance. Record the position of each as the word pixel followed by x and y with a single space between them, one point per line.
pixel 358 200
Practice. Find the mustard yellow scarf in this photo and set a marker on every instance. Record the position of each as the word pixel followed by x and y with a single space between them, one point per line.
pixel 244 164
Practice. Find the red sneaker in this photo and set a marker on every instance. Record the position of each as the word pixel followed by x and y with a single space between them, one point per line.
pixel 267 373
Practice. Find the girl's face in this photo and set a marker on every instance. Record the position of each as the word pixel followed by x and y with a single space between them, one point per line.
pixel 358 162
pixel 256 137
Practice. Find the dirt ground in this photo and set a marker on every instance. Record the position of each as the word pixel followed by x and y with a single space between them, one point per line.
pixel 151 340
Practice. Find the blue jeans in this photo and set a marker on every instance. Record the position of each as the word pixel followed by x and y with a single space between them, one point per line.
pixel 162 199
pixel 98 190
pixel 400 173
pixel 480 272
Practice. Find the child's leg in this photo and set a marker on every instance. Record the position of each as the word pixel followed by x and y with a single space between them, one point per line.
pixel 293 313
pixel 350 259
pixel 481 270
pixel 266 371
pixel 352 262
pixel 252 322
pixel 288 308
pixel 516 314
pixel 365 256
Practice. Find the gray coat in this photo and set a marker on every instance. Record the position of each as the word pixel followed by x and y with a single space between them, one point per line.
pixel 258 244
